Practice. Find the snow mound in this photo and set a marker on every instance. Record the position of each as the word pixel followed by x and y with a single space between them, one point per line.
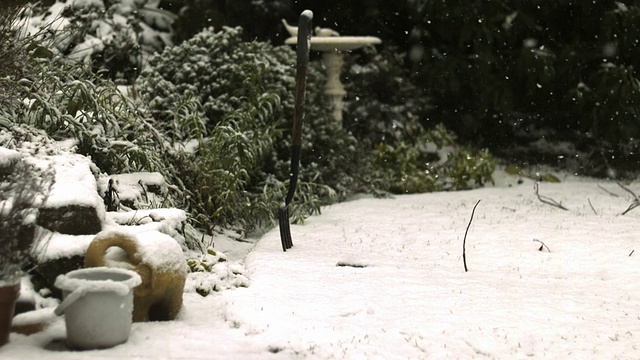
pixel 154 248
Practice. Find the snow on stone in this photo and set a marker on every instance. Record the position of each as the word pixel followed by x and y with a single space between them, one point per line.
pixel 171 217
pixel 155 248
pixel 61 246
pixel 8 157
pixel 75 183
pixel 65 246
pixel 79 4
pixel 167 221
pixel 130 187
pixel 82 52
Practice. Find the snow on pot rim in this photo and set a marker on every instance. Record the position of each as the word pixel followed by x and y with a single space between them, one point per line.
pixel 94 280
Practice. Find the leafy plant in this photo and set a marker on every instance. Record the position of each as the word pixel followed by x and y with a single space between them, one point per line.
pixel 237 176
pixel 211 272
pixel 227 165
pixel 70 102
pixel 383 104
pixel 432 163
pixel 206 261
pixel 466 169
pixel 23 191
pixel 397 169
pixel 114 37
pixel 501 74
pixel 13 55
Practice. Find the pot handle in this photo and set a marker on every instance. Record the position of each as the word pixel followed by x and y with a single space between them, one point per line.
pixel 70 299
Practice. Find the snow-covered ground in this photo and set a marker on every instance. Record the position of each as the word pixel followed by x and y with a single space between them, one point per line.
pixel 384 279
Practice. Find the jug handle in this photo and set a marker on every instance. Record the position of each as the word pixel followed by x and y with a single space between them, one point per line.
pixel 70 299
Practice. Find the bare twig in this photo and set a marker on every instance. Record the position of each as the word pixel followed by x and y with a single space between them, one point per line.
pixel 464 241
pixel 592 208
pixel 547 200
pixel 627 190
pixel 607 191
pixel 542 246
pixel 631 253
pixel 635 203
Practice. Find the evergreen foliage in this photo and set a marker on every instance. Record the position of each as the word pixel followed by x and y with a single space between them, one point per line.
pixel 235 99
pixel 23 191
pixel 433 162
pixel 115 37
pixel 71 102
pixel 258 18
pixel 383 104
pixel 512 68
pixel 385 111
pixel 13 55
pixel 505 74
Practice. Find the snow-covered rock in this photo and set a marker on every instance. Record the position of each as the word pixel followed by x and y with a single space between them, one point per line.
pixel 74 206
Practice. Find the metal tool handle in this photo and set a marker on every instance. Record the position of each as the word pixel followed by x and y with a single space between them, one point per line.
pixel 302 62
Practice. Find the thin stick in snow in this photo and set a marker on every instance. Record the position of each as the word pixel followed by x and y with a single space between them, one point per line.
pixel 592 208
pixel 633 205
pixel 542 246
pixel 464 241
pixel 627 190
pixel 607 191
pixel 636 201
pixel 547 200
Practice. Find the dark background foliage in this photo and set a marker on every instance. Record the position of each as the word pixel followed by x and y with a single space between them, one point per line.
pixel 501 74
pixel 532 81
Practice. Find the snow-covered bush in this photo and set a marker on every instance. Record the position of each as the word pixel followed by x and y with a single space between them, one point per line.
pixel 386 110
pixel 70 102
pixel 44 92
pixel 221 70
pixel 114 36
pixel 383 104
pixel 22 192
pixel 13 55
pixel 259 18
pixel 212 272
pixel 235 99
pixel 432 163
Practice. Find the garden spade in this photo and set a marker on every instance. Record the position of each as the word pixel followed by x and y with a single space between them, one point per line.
pixel 302 61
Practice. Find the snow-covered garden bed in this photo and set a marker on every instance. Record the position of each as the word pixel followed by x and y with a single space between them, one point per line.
pixel 384 279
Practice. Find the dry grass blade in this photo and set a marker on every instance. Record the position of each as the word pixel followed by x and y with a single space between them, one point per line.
pixel 635 203
pixel 591 205
pixel 547 200
pixel 607 191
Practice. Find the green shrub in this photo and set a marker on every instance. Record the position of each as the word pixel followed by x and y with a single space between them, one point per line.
pixel 13 53
pixel 432 163
pixel 386 110
pixel 235 99
pixel 503 74
pixel 114 37
pixel 71 102
pixel 383 104
pixel 260 19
